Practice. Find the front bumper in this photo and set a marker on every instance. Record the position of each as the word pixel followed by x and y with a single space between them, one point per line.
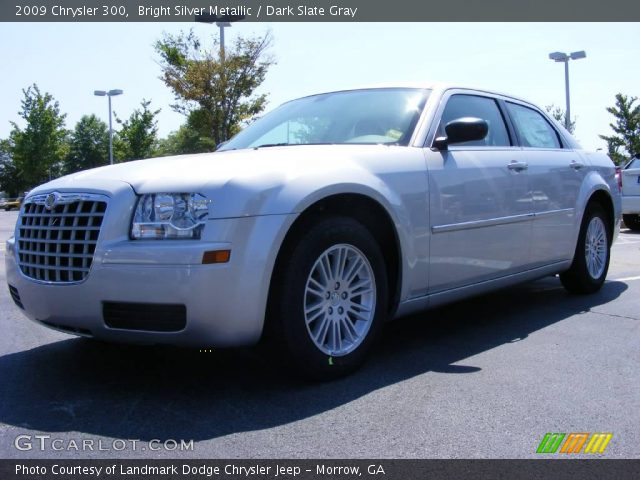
pixel 630 204
pixel 225 303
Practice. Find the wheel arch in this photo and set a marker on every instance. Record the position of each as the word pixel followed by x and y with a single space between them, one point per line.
pixel 596 188
pixel 603 198
pixel 362 208
pixel 579 277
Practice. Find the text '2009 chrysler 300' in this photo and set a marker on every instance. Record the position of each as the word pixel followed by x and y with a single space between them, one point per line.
pixel 316 223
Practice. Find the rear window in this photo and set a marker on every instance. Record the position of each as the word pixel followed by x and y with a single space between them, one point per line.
pixel 533 129
pixel 635 163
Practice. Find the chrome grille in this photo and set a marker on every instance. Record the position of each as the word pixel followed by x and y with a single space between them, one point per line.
pixel 57 236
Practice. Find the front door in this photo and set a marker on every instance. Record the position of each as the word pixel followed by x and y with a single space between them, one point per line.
pixel 480 201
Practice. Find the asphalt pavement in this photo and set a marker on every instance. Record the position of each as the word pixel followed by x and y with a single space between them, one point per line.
pixel 483 378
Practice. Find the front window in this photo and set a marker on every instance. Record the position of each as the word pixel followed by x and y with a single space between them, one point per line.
pixel 374 116
pixel 485 108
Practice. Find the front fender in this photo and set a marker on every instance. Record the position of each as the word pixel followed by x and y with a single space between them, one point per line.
pixel 395 178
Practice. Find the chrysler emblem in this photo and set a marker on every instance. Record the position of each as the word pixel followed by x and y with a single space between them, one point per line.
pixel 51 201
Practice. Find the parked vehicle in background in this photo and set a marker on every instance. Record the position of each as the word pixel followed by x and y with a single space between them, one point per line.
pixel 318 222
pixel 630 177
pixel 12 203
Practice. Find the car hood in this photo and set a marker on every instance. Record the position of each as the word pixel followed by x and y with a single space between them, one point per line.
pixel 193 173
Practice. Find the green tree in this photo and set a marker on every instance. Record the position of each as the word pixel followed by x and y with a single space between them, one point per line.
pixel 216 87
pixel 184 140
pixel 560 116
pixel 88 145
pixel 614 145
pixel 138 136
pixel 625 142
pixel 38 149
pixel 192 137
pixel 10 181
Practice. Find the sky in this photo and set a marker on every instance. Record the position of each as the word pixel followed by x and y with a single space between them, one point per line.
pixel 71 60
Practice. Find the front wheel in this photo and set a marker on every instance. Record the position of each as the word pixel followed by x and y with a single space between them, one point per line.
pixel 331 299
pixel 632 222
pixel 593 251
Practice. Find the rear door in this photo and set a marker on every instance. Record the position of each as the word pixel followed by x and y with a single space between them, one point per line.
pixel 480 204
pixel 556 173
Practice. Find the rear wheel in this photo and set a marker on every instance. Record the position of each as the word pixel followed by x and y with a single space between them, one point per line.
pixel 331 299
pixel 591 260
pixel 632 222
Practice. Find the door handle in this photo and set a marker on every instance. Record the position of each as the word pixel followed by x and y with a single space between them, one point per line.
pixel 517 166
pixel 576 165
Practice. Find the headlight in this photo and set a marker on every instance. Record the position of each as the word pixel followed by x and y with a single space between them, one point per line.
pixel 169 215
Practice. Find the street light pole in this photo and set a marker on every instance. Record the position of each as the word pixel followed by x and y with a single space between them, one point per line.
pixel 109 94
pixel 564 58
pixel 222 26
pixel 567 118
pixel 222 21
pixel 110 133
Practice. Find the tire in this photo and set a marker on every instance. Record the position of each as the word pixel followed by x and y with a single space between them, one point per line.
pixel 318 319
pixel 593 252
pixel 632 222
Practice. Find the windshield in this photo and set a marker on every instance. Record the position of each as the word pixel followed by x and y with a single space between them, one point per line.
pixel 384 115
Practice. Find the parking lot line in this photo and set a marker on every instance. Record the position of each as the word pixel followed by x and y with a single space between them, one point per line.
pixel 625 279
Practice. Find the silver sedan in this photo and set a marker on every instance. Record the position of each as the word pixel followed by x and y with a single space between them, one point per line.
pixel 314 225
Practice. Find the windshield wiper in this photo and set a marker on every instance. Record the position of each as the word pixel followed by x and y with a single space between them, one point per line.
pixel 283 144
pixel 264 145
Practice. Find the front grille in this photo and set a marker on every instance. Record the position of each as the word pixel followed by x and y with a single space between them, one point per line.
pixel 151 317
pixel 56 242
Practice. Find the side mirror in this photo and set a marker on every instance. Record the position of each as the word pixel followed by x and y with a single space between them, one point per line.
pixel 465 129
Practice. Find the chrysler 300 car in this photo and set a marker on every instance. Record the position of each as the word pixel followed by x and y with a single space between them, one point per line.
pixel 318 222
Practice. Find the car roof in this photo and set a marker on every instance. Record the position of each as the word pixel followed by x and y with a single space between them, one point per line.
pixel 435 86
